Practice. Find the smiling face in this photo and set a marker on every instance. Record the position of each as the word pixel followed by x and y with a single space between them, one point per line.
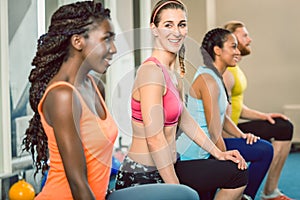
pixel 99 47
pixel 229 54
pixel 171 30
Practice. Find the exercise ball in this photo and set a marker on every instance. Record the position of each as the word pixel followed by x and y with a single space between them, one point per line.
pixel 44 179
pixel 21 190
pixel 115 166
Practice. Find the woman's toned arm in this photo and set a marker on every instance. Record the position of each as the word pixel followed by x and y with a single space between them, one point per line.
pixel 191 128
pixel 151 86
pixel 206 88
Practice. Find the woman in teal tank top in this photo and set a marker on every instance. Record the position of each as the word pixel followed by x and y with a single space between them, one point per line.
pixel 207 103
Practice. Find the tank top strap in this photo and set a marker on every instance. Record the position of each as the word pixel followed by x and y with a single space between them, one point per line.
pixel 163 68
pixel 98 92
pixel 56 84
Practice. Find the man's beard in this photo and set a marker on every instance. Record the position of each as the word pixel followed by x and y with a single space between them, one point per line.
pixel 244 50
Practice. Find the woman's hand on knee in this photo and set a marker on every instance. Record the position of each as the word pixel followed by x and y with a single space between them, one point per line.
pixel 250 138
pixel 236 157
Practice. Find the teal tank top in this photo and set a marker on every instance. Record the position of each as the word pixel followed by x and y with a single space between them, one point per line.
pixel 185 146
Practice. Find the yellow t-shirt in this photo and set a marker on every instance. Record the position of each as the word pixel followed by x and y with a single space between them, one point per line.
pixel 237 92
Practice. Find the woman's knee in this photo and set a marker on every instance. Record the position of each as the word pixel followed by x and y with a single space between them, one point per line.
pixel 239 178
pixel 265 149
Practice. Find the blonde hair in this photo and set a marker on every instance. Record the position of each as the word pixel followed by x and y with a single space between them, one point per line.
pixel 233 25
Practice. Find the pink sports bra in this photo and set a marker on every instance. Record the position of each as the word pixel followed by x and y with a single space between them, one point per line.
pixel 171 100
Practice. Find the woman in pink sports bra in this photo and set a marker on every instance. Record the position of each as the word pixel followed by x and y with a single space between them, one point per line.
pixel 157 111
pixel 72 127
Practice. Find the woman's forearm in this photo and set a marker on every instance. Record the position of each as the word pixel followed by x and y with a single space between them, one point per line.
pixel 162 157
pixel 231 128
pixel 191 128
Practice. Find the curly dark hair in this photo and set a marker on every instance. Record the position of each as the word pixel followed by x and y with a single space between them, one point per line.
pixel 52 51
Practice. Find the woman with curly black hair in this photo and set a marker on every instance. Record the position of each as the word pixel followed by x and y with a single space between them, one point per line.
pixel 71 126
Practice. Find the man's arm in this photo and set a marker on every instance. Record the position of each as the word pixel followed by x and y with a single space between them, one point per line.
pixel 251 114
pixel 248 113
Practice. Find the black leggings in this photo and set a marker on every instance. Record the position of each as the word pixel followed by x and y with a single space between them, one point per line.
pixel 203 175
pixel 207 175
pixel 282 130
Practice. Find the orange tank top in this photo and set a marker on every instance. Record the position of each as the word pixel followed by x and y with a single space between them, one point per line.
pixel 98 138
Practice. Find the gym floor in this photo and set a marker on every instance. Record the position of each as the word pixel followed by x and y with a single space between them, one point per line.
pixel 289 182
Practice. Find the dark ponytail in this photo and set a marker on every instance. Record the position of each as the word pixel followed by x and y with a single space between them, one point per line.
pixel 215 37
